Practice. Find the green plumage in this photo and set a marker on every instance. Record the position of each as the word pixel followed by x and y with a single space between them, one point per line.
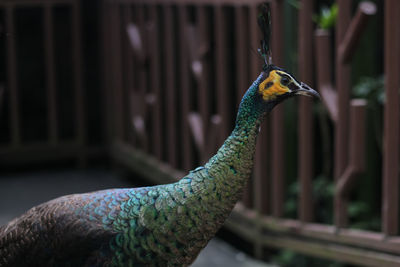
pixel 165 225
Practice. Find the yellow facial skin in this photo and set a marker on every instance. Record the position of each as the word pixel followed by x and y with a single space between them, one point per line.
pixel 271 87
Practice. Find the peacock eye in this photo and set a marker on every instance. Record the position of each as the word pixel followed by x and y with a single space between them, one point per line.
pixel 284 80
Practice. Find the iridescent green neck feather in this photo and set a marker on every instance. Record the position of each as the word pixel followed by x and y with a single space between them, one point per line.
pixel 179 219
pixel 234 160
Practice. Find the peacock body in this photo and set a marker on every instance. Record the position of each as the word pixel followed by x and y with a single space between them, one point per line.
pixel 164 225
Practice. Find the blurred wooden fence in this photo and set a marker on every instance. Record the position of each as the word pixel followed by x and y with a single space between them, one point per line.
pixel 42 84
pixel 16 148
pixel 173 73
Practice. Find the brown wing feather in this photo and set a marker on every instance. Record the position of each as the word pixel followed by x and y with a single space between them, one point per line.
pixel 52 234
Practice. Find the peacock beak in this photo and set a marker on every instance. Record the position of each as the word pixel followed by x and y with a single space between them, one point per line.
pixel 306 90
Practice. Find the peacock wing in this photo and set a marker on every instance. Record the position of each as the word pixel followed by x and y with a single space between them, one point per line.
pixel 56 233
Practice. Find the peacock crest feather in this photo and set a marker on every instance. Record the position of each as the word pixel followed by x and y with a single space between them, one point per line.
pixel 264 23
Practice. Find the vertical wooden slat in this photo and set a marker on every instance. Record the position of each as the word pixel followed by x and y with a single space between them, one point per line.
pixel 343 90
pixel 204 84
pixel 221 74
pixel 154 47
pixel 305 156
pixel 105 73
pixel 323 62
pixel 242 78
pixel 277 146
pixel 127 73
pixel 116 74
pixel 50 72
pixel 342 127
pixel 261 175
pixel 170 86
pixel 241 52
pixel 12 78
pixel 142 74
pixel 391 119
pixel 187 159
pixel 78 78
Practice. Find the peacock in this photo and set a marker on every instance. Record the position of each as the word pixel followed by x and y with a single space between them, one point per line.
pixel 163 225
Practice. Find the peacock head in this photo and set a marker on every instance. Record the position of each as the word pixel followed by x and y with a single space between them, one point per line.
pixel 279 85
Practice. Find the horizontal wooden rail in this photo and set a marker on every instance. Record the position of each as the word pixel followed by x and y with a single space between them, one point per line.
pixel 245 223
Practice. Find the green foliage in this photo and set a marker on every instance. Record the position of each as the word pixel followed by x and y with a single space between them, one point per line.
pixel 323 190
pixel 294 3
pixel 372 89
pixel 327 17
pixel 361 215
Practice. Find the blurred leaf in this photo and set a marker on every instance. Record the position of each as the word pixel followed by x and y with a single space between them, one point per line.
pixel 363 217
pixel 294 3
pixel 370 88
pixel 327 17
pixel 357 208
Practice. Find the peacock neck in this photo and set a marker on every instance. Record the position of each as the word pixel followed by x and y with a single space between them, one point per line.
pixel 232 165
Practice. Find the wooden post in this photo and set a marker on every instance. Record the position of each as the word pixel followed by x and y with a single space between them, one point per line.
pixel 78 80
pixel 187 151
pixel 154 59
pixel 261 184
pixel 277 146
pixel 324 72
pixel 343 91
pixel 12 77
pixel 221 73
pixel 356 164
pixel 127 74
pixel 50 75
pixel 354 31
pixel 242 79
pixel 106 79
pixel 305 157
pixel 391 151
pixel 170 86
pixel 204 84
